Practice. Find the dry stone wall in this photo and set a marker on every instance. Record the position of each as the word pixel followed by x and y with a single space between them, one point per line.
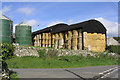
pixel 25 51
pixel 31 51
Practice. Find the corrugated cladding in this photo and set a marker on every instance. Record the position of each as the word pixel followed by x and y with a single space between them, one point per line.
pixel 90 26
pixel 6 29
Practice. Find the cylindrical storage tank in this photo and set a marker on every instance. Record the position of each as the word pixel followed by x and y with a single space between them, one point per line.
pixel 23 34
pixel 6 27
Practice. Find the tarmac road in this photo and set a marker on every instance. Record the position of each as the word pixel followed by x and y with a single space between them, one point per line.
pixel 113 74
pixel 85 72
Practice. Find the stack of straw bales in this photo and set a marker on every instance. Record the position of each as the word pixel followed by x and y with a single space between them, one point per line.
pixel 49 39
pixel 61 40
pixel 80 39
pixel 69 39
pixel 75 40
pixel 56 40
pixel 53 40
pixel 43 39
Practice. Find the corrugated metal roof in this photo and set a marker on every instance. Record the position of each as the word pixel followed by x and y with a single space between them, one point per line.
pixel 22 24
pixel 91 26
pixel 4 17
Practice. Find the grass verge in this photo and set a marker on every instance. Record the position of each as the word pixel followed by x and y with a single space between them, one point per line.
pixel 60 62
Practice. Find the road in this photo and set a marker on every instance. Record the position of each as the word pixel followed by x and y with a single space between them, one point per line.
pixel 86 72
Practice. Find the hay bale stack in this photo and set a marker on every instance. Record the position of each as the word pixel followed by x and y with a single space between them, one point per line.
pixel 35 41
pixel 46 39
pixel 40 38
pixel 69 39
pixel 95 42
pixel 49 39
pixel 66 40
pixel 80 39
pixel 61 40
pixel 85 40
pixel 56 41
pixel 43 39
pixel 53 40
pixel 75 40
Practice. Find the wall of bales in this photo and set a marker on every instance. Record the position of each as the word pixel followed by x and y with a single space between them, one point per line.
pixel 72 40
pixel 94 42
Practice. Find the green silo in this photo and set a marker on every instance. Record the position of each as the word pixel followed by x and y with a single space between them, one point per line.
pixel 5 29
pixel 23 34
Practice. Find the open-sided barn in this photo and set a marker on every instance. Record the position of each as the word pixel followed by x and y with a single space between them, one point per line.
pixel 88 35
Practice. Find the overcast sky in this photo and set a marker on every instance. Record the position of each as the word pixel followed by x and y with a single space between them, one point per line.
pixel 46 14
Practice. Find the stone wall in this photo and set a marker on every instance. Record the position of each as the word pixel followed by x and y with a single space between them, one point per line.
pixel 26 51
pixel 31 51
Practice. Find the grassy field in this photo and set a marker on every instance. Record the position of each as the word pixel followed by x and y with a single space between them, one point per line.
pixel 59 62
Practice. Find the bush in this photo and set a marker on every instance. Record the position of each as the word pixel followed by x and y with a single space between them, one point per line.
pixel 13 75
pixel 42 53
pixel 114 48
pixel 47 54
pixel 7 50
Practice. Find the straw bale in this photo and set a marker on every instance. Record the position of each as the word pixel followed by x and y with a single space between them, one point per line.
pixel 46 35
pixel 35 38
pixel 53 39
pixel 56 36
pixel 69 39
pixel 95 42
pixel 70 34
pixel 35 43
pixel 61 40
pixel 61 35
pixel 75 40
pixel 49 35
pixel 40 36
pixel 43 35
pixel 38 42
pixel 43 41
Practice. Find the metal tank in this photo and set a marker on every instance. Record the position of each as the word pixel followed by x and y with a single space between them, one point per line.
pixel 23 34
pixel 6 27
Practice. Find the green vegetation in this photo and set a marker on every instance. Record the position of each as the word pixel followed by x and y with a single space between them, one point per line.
pixel 114 48
pixel 7 53
pixel 7 50
pixel 60 62
pixel 13 75
pixel 49 54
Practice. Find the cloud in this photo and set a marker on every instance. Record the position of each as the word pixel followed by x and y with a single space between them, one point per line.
pixel 32 22
pixel 5 9
pixel 70 21
pixel 54 23
pixel 112 27
pixel 26 10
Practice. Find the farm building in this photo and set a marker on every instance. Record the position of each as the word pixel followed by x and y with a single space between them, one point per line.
pixel 89 35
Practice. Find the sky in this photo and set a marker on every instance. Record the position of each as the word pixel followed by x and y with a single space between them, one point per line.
pixel 46 14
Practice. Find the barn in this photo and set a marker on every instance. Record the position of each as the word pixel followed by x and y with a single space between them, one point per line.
pixel 88 35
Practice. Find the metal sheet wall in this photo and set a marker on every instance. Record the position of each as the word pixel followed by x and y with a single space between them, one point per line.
pixel 5 31
pixel 23 35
